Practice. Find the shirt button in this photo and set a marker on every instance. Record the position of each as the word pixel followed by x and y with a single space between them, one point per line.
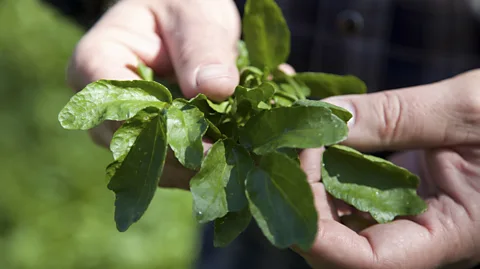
pixel 350 22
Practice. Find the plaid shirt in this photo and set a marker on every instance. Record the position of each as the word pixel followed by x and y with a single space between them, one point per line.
pixel 387 43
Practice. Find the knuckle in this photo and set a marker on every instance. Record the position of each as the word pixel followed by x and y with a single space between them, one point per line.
pixel 313 174
pixel 466 110
pixel 471 106
pixel 390 111
pixel 461 108
pixel 469 101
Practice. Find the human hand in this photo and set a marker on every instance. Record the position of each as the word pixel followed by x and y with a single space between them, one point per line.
pixel 191 41
pixel 438 127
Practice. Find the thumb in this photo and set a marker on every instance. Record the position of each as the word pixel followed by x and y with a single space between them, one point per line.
pixel 418 117
pixel 201 37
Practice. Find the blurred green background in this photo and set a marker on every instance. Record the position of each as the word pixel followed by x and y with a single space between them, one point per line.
pixel 55 208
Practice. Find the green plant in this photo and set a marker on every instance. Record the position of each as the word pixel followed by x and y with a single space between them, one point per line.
pixel 252 169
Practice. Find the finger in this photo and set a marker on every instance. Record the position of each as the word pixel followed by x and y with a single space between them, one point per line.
pixel 311 161
pixel 287 69
pixel 114 46
pixel 202 39
pixel 337 246
pixel 375 246
pixel 424 116
pixel 400 244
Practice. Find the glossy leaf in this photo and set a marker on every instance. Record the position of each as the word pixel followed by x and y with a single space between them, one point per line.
pixel 281 201
pixel 230 226
pixel 186 127
pixel 266 34
pixel 323 85
pixel 219 185
pixel 292 127
pixel 371 184
pixel 125 136
pixel 340 112
pixel 135 176
pixel 111 100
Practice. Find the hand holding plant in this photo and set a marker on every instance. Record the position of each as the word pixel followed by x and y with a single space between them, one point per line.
pixel 254 170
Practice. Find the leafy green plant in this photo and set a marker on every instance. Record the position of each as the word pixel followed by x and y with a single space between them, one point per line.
pixel 252 169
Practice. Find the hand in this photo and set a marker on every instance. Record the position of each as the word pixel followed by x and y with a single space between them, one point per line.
pixel 193 41
pixel 439 127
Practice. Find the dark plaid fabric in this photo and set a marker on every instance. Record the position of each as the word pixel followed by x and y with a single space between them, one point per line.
pixel 387 43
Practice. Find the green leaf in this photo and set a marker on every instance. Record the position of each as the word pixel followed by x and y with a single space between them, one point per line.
pixel 290 153
pixel 135 177
pixel 371 184
pixel 281 201
pixel 266 34
pixel 298 87
pixel 340 112
pixel 292 127
pixel 213 132
pixel 186 127
pixel 288 91
pixel 173 87
pixel 145 72
pixel 229 129
pixel 113 167
pixel 242 58
pixel 219 185
pixel 125 136
pixel 250 77
pixel 323 85
pixel 282 100
pixel 241 162
pixel 255 97
pixel 230 226
pixel 206 105
pixel 111 100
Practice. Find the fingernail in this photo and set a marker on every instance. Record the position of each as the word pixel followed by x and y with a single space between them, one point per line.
pixel 345 105
pixel 212 71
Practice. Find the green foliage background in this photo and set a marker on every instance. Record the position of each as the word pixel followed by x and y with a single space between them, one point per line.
pixel 55 209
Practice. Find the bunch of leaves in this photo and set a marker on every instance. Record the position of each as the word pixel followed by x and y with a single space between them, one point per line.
pixel 252 171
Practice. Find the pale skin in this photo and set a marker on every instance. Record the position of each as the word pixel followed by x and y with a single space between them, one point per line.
pixel 436 129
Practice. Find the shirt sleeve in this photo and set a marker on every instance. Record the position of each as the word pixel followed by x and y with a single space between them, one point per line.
pixel 83 12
